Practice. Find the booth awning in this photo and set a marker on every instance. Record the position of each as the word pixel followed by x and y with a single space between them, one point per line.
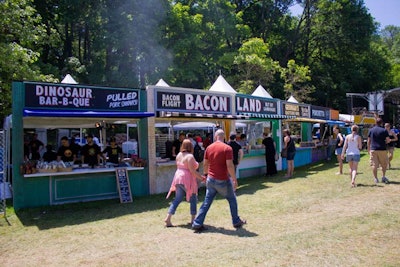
pixel 267 116
pixel 335 122
pixel 168 114
pixel 306 120
pixel 84 114
pixel 34 118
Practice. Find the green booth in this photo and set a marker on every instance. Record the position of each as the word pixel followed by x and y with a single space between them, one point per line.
pixel 49 108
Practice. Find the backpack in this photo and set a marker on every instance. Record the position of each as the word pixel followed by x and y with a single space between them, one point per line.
pixel 198 153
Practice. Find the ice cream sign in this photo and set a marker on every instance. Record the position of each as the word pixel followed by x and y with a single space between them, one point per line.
pixel 60 96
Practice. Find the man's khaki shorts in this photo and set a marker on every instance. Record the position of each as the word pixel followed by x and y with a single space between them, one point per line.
pixel 379 157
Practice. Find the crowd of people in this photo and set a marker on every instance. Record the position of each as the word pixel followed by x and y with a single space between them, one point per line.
pixel 219 175
pixel 69 151
pixel 382 140
pixel 221 159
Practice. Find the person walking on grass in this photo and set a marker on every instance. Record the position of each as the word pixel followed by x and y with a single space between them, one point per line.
pixel 392 144
pixel 378 137
pixel 221 178
pixel 184 182
pixel 339 148
pixel 352 147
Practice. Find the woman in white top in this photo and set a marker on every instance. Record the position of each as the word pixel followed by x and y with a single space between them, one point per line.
pixel 352 146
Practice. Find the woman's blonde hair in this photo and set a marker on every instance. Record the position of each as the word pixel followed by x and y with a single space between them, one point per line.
pixel 187 146
pixel 354 128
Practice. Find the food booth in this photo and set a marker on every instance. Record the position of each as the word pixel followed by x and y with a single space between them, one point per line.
pixel 175 106
pixel 263 116
pixel 50 106
pixel 301 131
pixel 314 131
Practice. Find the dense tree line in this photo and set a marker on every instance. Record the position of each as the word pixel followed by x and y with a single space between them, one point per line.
pixel 332 48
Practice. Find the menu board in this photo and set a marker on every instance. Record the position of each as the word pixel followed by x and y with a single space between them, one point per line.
pixel 124 188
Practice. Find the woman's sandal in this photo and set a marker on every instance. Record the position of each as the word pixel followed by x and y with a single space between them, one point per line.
pixel 168 223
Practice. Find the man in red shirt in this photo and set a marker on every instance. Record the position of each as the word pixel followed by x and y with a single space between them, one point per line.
pixel 218 168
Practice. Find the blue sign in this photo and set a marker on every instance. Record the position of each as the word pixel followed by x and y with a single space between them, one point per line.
pixel 62 96
pixel 195 101
pixel 251 104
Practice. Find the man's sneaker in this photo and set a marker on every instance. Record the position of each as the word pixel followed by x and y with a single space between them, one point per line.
pixel 239 224
pixel 199 229
pixel 385 180
pixel 376 180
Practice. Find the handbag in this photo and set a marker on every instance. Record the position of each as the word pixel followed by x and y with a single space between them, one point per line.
pixel 284 153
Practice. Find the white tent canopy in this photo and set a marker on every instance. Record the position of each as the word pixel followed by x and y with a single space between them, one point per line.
pixel 292 99
pixel 68 79
pixel 70 123
pixel 161 82
pixel 346 117
pixel 194 125
pixel 261 92
pixel 221 85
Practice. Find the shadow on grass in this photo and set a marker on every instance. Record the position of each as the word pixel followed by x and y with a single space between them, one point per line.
pixel 241 232
pixel 369 185
pixel 80 213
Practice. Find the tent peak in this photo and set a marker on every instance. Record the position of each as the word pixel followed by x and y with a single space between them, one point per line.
pixel 69 80
pixel 292 99
pixel 221 85
pixel 161 82
pixel 261 92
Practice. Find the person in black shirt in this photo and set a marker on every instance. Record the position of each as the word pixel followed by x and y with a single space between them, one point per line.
pixel 75 148
pixel 270 154
pixel 35 145
pixel 91 152
pixel 176 145
pixel 50 155
pixel 237 150
pixel 113 151
pixel 65 152
pixel 26 148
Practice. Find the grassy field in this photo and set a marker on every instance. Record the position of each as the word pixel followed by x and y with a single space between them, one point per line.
pixel 314 219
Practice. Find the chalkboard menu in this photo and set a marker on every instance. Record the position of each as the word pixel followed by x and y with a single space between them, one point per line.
pixel 124 188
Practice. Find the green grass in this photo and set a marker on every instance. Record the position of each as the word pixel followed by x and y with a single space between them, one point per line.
pixel 315 219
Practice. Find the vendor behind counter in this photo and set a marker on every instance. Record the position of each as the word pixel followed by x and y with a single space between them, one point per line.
pixel 91 153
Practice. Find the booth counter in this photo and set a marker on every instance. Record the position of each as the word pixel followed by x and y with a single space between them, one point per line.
pixel 253 163
pixel 81 185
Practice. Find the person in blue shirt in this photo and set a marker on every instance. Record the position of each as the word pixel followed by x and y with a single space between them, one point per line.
pixel 378 137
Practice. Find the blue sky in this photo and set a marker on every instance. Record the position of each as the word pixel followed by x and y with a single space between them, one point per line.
pixel 386 12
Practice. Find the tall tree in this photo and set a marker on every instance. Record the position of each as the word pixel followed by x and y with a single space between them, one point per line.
pixel 20 34
pixel 297 82
pixel 338 46
pixel 255 65
pixel 205 36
